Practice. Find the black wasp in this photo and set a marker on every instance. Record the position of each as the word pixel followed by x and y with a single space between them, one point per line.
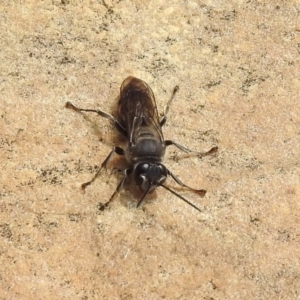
pixel 138 121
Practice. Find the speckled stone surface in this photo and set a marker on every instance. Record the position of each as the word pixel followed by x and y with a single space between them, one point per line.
pixel 237 64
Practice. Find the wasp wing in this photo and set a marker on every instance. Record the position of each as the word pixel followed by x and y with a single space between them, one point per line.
pixel 137 108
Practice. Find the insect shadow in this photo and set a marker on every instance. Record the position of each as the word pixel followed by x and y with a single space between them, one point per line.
pixel 138 121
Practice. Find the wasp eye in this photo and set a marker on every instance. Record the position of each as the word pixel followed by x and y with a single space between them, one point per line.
pixel 140 173
pixel 142 168
pixel 163 170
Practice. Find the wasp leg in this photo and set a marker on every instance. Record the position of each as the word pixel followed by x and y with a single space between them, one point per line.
pixel 167 107
pixel 179 196
pixel 115 149
pixel 127 172
pixel 101 113
pixel 213 150
pixel 200 192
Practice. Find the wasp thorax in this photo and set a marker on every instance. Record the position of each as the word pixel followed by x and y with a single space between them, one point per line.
pixel 149 175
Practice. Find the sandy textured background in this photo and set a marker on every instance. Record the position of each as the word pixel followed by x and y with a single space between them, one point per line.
pixel 237 64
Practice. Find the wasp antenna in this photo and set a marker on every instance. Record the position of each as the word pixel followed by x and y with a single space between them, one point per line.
pixel 144 196
pixel 182 198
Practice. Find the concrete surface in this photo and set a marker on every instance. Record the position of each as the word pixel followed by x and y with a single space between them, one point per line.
pixel 237 65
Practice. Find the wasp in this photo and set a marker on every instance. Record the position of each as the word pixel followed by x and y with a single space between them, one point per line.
pixel 138 121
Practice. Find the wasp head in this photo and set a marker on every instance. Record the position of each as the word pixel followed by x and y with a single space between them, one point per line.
pixel 148 175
